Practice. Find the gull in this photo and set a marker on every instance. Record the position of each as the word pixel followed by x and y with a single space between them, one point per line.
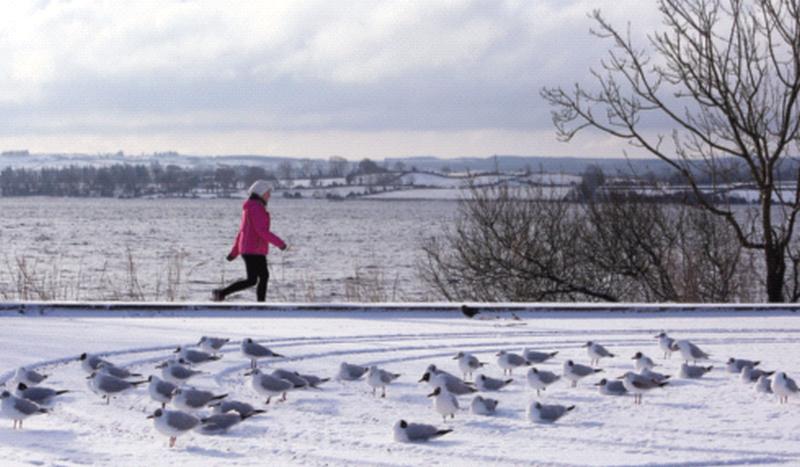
pixel 751 375
pixel 17 408
pixel 160 390
pixel 432 369
pixel 268 385
pixel 405 432
pixel 611 388
pixel 534 356
pixel 106 385
pixel 642 361
pixel 539 413
pixel 113 370
pixel 637 385
pixel 467 363
pixel 764 385
pixel 784 386
pixel 254 351
pixel 350 372
pixel 291 376
pixel 654 375
pixel 242 408
pixel 90 362
pixel 666 343
pixel 176 371
pixel 40 395
pixel 116 371
pixel 29 377
pixel 218 424
pixel 444 402
pixel 195 357
pixel 212 344
pixel 194 399
pixel 596 352
pixel 575 371
pixel 508 361
pixel 485 383
pixel 735 365
pixel 378 378
pixel 453 384
pixel 173 423
pixel 313 381
pixel 694 371
pixel 690 351
pixel 540 379
pixel 483 406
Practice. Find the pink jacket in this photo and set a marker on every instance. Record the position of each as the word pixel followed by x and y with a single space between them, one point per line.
pixel 254 236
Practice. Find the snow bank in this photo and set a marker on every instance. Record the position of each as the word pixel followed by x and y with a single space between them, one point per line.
pixel 714 420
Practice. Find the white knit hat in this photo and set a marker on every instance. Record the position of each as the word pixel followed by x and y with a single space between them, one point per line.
pixel 260 187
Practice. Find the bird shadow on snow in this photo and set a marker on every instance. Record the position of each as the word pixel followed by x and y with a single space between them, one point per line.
pixel 34 436
pixel 252 431
pixel 679 405
pixel 318 405
pixel 491 425
pixel 47 441
pixel 439 443
pixel 205 452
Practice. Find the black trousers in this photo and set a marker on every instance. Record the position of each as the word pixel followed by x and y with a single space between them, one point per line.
pixel 257 273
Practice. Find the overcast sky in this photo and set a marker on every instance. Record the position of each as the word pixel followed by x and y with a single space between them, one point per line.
pixel 298 78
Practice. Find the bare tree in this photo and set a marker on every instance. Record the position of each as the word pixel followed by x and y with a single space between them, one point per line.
pixel 517 245
pixel 726 75
pixel 307 168
pixel 508 246
pixel 664 252
pixel 337 166
pixel 285 170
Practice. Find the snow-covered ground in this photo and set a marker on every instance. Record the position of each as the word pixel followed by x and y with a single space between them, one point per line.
pixel 714 420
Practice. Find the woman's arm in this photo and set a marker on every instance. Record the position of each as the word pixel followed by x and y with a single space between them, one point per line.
pixel 261 224
pixel 235 248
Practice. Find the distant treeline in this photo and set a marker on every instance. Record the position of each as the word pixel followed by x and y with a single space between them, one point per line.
pixel 124 180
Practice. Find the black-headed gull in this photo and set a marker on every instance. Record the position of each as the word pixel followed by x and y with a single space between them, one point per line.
pixel 467 363
pixel 540 413
pixel 444 403
pixel 508 361
pixel 17 408
pixel 596 352
pixel 540 379
pixel 483 405
pixel 574 372
pixel 173 423
pixel 379 378
pixel 405 432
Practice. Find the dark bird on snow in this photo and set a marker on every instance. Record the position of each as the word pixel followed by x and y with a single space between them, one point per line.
pixel 469 311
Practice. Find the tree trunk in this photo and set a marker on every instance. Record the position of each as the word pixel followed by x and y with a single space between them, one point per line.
pixel 776 270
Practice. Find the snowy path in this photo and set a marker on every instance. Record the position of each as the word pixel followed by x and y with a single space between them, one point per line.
pixel 716 420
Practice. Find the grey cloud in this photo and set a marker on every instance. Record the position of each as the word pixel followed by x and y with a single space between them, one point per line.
pixel 251 87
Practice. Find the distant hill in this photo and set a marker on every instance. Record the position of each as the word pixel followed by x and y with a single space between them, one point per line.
pixel 548 164
pixel 505 163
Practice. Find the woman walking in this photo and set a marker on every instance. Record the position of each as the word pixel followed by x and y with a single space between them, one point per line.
pixel 252 243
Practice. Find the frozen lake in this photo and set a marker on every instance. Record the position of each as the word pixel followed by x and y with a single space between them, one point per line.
pixel 174 249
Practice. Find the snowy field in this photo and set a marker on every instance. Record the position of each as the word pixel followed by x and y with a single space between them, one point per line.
pixel 713 420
